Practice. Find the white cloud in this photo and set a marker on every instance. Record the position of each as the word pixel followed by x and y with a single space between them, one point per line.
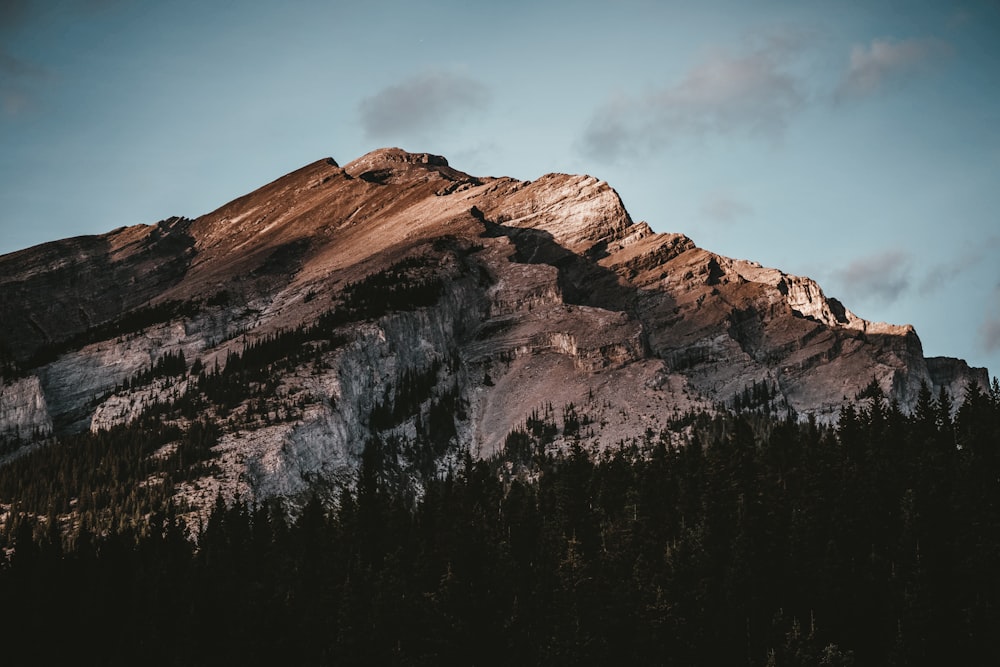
pixel 428 101
pixel 881 277
pixel 751 93
pixel 886 61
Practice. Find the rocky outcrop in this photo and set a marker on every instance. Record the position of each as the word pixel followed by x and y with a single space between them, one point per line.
pixel 953 375
pixel 581 213
pixel 52 294
pixel 24 415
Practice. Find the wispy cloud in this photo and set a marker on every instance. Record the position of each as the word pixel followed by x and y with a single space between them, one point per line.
pixel 721 208
pixel 885 62
pixel 989 334
pixel 12 67
pixel 940 274
pixel 989 330
pixel 475 156
pixel 16 78
pixel 750 93
pixel 425 102
pixel 882 277
pixel 960 18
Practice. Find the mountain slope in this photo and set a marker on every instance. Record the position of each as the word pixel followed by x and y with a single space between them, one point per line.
pixel 402 299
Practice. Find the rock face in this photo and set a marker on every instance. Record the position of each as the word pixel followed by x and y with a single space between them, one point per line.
pixel 426 306
pixel 24 414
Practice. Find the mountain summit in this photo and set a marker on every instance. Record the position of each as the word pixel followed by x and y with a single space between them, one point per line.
pixel 401 299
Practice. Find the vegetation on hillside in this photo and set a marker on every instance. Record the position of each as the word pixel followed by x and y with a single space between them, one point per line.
pixel 760 541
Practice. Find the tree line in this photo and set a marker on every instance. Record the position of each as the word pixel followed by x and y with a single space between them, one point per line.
pixel 759 541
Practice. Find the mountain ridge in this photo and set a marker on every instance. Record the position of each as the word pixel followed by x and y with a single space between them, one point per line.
pixel 519 294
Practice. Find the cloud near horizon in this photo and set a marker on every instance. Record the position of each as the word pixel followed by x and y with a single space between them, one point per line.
pixel 751 93
pixel 882 277
pixel 423 103
pixel 886 61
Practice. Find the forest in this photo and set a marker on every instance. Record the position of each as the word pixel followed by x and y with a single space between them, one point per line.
pixel 758 540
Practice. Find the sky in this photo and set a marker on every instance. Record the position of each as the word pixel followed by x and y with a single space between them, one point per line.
pixel 857 143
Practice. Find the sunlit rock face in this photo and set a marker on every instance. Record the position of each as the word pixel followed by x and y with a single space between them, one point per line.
pixel 462 305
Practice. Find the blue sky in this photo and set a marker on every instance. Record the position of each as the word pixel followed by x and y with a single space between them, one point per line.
pixel 857 143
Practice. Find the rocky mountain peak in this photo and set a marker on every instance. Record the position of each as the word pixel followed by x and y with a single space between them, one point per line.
pixel 396 165
pixel 397 155
pixel 397 292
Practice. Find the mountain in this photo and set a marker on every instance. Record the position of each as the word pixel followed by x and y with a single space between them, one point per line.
pixel 400 299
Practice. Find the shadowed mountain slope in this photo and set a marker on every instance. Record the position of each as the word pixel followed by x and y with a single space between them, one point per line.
pixel 397 297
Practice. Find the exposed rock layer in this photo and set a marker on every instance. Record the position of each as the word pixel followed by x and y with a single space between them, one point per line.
pixel 551 295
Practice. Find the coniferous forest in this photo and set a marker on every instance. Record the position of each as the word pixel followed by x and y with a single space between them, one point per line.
pixel 757 541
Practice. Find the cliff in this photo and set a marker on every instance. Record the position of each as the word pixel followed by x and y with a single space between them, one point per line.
pixel 399 298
